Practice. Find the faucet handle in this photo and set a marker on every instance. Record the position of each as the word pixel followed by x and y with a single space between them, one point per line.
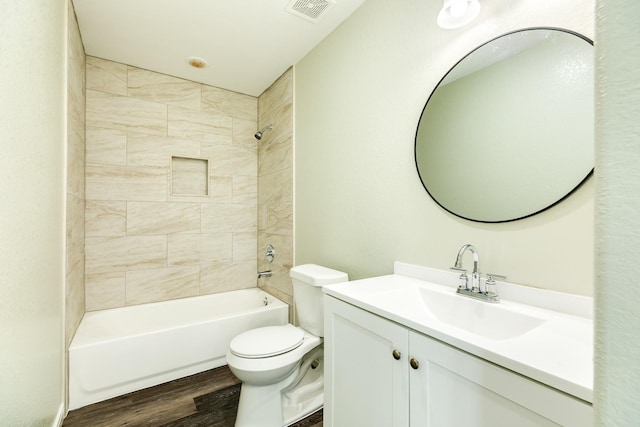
pixel 464 279
pixel 492 277
pixel 490 284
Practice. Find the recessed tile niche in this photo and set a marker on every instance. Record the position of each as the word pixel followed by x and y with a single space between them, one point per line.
pixel 189 176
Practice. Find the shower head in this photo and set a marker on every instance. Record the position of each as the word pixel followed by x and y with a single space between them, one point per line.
pixel 258 134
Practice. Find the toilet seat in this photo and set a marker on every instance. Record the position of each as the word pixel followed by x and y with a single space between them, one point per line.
pixel 268 341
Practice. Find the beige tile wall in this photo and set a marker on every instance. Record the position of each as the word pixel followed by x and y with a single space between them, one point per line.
pixel 74 282
pixel 143 242
pixel 275 185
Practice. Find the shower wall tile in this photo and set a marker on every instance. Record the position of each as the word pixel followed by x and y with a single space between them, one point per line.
pixel 75 275
pixel 229 217
pixel 75 231
pixel 161 284
pixel 276 218
pixel 142 242
pixel 196 249
pixel 199 125
pixel 75 135
pixel 75 199
pixel 125 183
pixel 105 290
pixel 279 92
pixel 232 104
pixel 281 116
pixel 75 168
pixel 243 134
pixel 106 146
pixel 230 160
pixel 221 189
pixel 227 276
pixel 245 189
pixel 276 187
pixel 277 154
pixel 144 218
pixel 76 61
pixel 151 86
pixel 74 263
pixel 152 150
pixel 75 117
pixel 105 110
pixel 245 246
pixel 106 76
pixel 105 218
pixel 111 254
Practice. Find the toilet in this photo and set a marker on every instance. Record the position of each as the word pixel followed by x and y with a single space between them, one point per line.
pixel 281 367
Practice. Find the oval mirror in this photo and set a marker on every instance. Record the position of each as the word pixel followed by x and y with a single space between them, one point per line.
pixel 508 132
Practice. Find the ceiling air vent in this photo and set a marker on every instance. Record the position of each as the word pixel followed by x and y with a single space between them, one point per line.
pixel 311 10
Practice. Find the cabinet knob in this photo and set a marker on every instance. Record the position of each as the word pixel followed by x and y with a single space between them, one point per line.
pixel 396 354
pixel 414 363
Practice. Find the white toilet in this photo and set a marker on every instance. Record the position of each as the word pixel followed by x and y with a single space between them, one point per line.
pixel 281 367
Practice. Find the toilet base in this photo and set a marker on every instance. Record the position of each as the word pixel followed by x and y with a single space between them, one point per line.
pixel 286 402
pixel 261 405
pixel 306 395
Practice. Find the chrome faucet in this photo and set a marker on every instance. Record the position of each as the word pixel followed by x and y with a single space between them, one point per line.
pixel 265 273
pixel 475 275
pixel 489 294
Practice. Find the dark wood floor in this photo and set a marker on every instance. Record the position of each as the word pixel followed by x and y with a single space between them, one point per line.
pixel 207 399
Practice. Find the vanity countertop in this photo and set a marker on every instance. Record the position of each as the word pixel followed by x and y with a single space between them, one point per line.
pixel 545 335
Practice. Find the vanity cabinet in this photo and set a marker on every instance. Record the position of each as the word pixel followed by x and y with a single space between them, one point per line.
pixel 365 381
pixel 379 373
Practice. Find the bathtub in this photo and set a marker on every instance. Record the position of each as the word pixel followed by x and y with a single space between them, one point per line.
pixel 120 350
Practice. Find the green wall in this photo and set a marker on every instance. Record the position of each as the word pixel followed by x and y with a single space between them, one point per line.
pixel 359 204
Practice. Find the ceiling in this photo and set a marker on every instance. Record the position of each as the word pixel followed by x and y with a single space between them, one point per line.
pixel 247 44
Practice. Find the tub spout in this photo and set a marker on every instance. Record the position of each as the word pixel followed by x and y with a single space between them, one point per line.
pixel 266 273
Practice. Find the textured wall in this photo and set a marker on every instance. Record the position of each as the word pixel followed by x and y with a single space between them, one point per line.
pixel 617 361
pixel 359 203
pixel 275 185
pixel 155 145
pixel 32 190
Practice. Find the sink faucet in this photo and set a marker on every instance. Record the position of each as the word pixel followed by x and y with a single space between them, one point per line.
pixel 490 294
pixel 475 275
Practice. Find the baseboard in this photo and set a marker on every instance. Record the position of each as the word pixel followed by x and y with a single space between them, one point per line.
pixel 59 417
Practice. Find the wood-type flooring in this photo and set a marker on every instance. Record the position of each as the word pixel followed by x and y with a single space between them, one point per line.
pixel 207 399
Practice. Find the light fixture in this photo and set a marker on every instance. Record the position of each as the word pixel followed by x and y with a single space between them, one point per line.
pixel 457 13
pixel 196 62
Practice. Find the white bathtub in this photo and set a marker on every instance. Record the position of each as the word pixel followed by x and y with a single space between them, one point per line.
pixel 125 349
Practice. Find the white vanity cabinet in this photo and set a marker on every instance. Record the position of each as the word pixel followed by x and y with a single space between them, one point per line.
pixel 366 383
pixel 427 382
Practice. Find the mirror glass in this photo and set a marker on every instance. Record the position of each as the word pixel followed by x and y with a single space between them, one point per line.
pixel 508 132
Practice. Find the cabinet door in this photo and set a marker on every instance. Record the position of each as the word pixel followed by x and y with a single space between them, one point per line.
pixel 453 388
pixel 365 385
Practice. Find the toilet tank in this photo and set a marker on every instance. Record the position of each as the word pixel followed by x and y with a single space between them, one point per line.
pixel 308 280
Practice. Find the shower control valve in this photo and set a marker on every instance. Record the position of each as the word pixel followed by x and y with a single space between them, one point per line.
pixel 270 254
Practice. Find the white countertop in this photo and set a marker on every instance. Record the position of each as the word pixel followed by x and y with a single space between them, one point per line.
pixel 558 352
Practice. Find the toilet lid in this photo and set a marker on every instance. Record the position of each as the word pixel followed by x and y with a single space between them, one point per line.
pixel 266 342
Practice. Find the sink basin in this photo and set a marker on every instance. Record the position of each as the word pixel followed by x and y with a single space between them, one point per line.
pixel 491 321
